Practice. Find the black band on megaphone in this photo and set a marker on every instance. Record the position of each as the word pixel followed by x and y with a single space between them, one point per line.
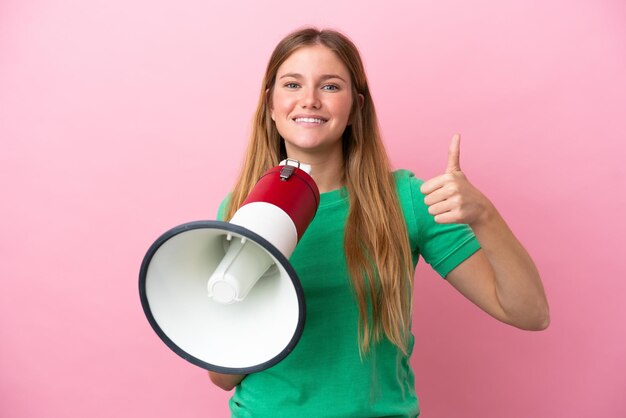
pixel 226 228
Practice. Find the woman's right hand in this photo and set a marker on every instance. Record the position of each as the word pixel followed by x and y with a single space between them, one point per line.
pixel 226 381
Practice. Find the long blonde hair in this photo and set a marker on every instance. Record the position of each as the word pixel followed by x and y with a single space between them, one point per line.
pixel 376 243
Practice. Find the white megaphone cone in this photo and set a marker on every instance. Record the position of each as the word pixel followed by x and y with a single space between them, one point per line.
pixel 223 295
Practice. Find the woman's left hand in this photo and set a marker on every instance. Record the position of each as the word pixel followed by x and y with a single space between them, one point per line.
pixel 501 278
pixel 450 197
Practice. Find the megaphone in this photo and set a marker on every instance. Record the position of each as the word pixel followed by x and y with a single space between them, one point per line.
pixel 223 295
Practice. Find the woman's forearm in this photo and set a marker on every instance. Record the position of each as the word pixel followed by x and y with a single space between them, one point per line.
pixel 518 285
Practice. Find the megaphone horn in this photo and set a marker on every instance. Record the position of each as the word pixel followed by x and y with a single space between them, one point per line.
pixel 223 295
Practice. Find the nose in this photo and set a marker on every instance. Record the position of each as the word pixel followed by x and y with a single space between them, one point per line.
pixel 310 99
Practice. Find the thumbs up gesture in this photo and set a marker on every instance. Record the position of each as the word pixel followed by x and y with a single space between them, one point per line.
pixel 450 197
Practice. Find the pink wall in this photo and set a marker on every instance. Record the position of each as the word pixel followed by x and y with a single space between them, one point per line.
pixel 121 119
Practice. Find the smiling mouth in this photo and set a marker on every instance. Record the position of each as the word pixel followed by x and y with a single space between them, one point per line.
pixel 316 121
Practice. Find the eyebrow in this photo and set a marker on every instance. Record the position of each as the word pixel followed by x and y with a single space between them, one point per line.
pixel 322 78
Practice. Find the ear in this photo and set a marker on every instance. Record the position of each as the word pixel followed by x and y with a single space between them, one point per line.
pixel 361 100
pixel 268 100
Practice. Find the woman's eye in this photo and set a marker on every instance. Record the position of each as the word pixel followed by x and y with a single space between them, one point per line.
pixel 330 87
pixel 292 85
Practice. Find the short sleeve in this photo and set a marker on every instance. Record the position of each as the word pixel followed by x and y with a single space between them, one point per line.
pixel 221 211
pixel 443 246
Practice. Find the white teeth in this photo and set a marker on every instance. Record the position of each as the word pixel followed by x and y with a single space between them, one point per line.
pixel 310 120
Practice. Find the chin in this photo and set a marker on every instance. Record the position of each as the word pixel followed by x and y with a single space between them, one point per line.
pixel 305 142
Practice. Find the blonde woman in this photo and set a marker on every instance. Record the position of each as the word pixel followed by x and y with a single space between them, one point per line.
pixel 357 258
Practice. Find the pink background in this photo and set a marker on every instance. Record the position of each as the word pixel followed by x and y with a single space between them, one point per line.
pixel 119 120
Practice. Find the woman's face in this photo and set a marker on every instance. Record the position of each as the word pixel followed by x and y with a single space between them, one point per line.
pixel 311 102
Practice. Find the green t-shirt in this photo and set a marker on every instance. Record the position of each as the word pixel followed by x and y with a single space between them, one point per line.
pixel 324 376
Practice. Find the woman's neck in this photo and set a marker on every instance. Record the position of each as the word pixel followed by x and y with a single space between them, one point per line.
pixel 327 175
pixel 326 170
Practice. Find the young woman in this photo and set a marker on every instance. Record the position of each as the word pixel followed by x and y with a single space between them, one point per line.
pixel 357 258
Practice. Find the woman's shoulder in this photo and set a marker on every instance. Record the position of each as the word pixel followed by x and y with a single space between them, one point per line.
pixel 410 197
pixel 221 210
pixel 406 179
